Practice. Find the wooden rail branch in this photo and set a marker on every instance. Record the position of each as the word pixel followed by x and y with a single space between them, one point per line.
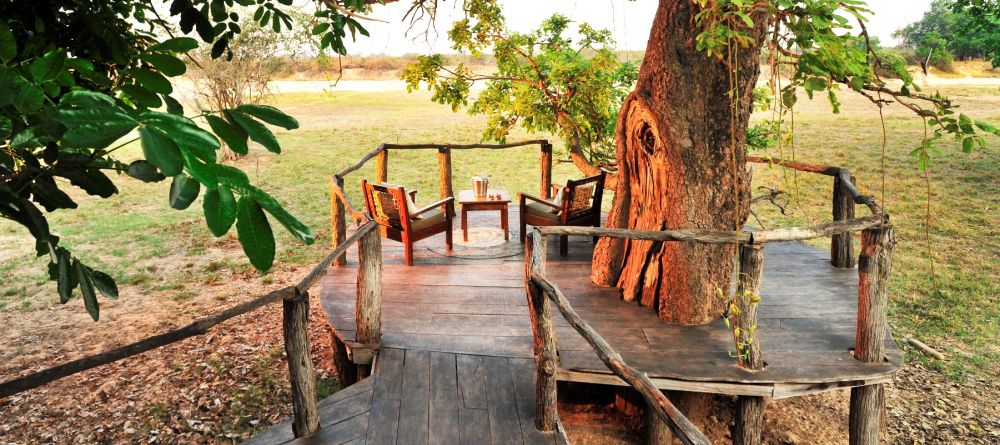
pixel 750 409
pixel 338 219
pixel 444 173
pixel 320 269
pixel 295 325
pixel 358 216
pixel 874 268
pixel 545 165
pixel 463 146
pixel 382 165
pixel 842 244
pixel 544 335
pixel 706 236
pixel 198 327
pixel 361 162
pixel 368 307
pixel 682 428
pixel 838 172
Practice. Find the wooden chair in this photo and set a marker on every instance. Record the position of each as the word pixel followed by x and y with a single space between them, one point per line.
pixel 392 209
pixel 577 204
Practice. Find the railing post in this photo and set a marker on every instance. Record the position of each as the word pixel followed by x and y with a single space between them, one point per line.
pixel 295 325
pixel 444 172
pixel 382 165
pixel 750 409
pixel 545 164
pixel 842 244
pixel 543 330
pixel 368 308
pixel 874 267
pixel 338 219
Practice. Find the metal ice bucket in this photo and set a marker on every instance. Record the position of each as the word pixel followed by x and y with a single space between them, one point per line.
pixel 480 185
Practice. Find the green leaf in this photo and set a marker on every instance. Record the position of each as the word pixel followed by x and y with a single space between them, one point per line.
pixel 220 210
pixel 294 226
pixel 6 126
pixel 83 98
pixel 177 44
pixel 97 135
pixel 48 67
pixel 257 131
pixel 103 282
pixel 234 137
pixel 8 45
pixel 183 191
pixel 87 288
pixel 152 81
pixel 173 106
pixel 968 145
pixel 270 115
pixel 161 152
pixel 255 234
pixel 166 63
pixel 17 91
pixel 66 279
pixel 142 96
pixel 144 171
pixel 184 132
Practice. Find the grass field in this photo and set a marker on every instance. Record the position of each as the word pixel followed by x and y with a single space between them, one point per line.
pixel 170 255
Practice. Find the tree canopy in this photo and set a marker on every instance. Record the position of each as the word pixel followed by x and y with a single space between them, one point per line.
pixel 962 29
pixel 68 104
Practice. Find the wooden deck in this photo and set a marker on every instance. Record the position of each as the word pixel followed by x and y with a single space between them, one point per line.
pixel 447 315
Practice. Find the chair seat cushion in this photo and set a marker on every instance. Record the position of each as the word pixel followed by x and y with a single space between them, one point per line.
pixel 428 219
pixel 541 211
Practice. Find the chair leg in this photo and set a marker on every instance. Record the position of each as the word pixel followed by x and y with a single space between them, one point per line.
pixel 597 223
pixel 448 236
pixel 408 253
pixel 523 230
pixel 563 245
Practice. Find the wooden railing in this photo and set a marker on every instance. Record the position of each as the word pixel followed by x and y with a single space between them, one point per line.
pixel 340 206
pixel 875 263
pixel 295 328
pixel 845 196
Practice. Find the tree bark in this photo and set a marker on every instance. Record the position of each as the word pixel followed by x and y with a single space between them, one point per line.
pixel 681 165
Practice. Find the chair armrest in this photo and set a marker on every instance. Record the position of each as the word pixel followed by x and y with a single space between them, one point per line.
pixel 539 200
pixel 413 195
pixel 446 202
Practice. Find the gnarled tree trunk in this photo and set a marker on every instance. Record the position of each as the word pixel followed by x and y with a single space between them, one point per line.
pixel 680 167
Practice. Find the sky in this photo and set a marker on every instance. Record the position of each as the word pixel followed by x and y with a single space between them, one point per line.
pixel 629 21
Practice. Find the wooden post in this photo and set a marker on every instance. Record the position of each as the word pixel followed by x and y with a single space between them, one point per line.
pixel 749 409
pixel 338 219
pixel 368 308
pixel 546 167
pixel 874 267
pixel 382 165
pixel 842 244
pixel 305 420
pixel 444 173
pixel 543 330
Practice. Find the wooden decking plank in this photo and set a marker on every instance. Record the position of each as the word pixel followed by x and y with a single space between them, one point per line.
pixel 471 375
pixel 474 426
pixel 383 422
pixel 414 406
pixel 505 425
pixel 445 399
pixel 339 433
pixel 523 375
pixel 389 375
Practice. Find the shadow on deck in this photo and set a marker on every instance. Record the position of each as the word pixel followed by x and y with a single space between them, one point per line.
pixel 455 364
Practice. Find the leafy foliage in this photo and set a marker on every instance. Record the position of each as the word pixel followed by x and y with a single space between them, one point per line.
pixel 546 80
pixel 825 45
pixel 66 102
pixel 955 29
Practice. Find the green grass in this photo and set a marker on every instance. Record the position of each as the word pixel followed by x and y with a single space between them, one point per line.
pixel 154 250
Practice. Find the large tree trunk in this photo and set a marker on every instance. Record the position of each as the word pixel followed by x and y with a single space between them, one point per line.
pixel 679 167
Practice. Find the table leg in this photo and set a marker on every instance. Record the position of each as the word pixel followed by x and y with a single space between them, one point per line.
pixel 465 224
pixel 503 222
